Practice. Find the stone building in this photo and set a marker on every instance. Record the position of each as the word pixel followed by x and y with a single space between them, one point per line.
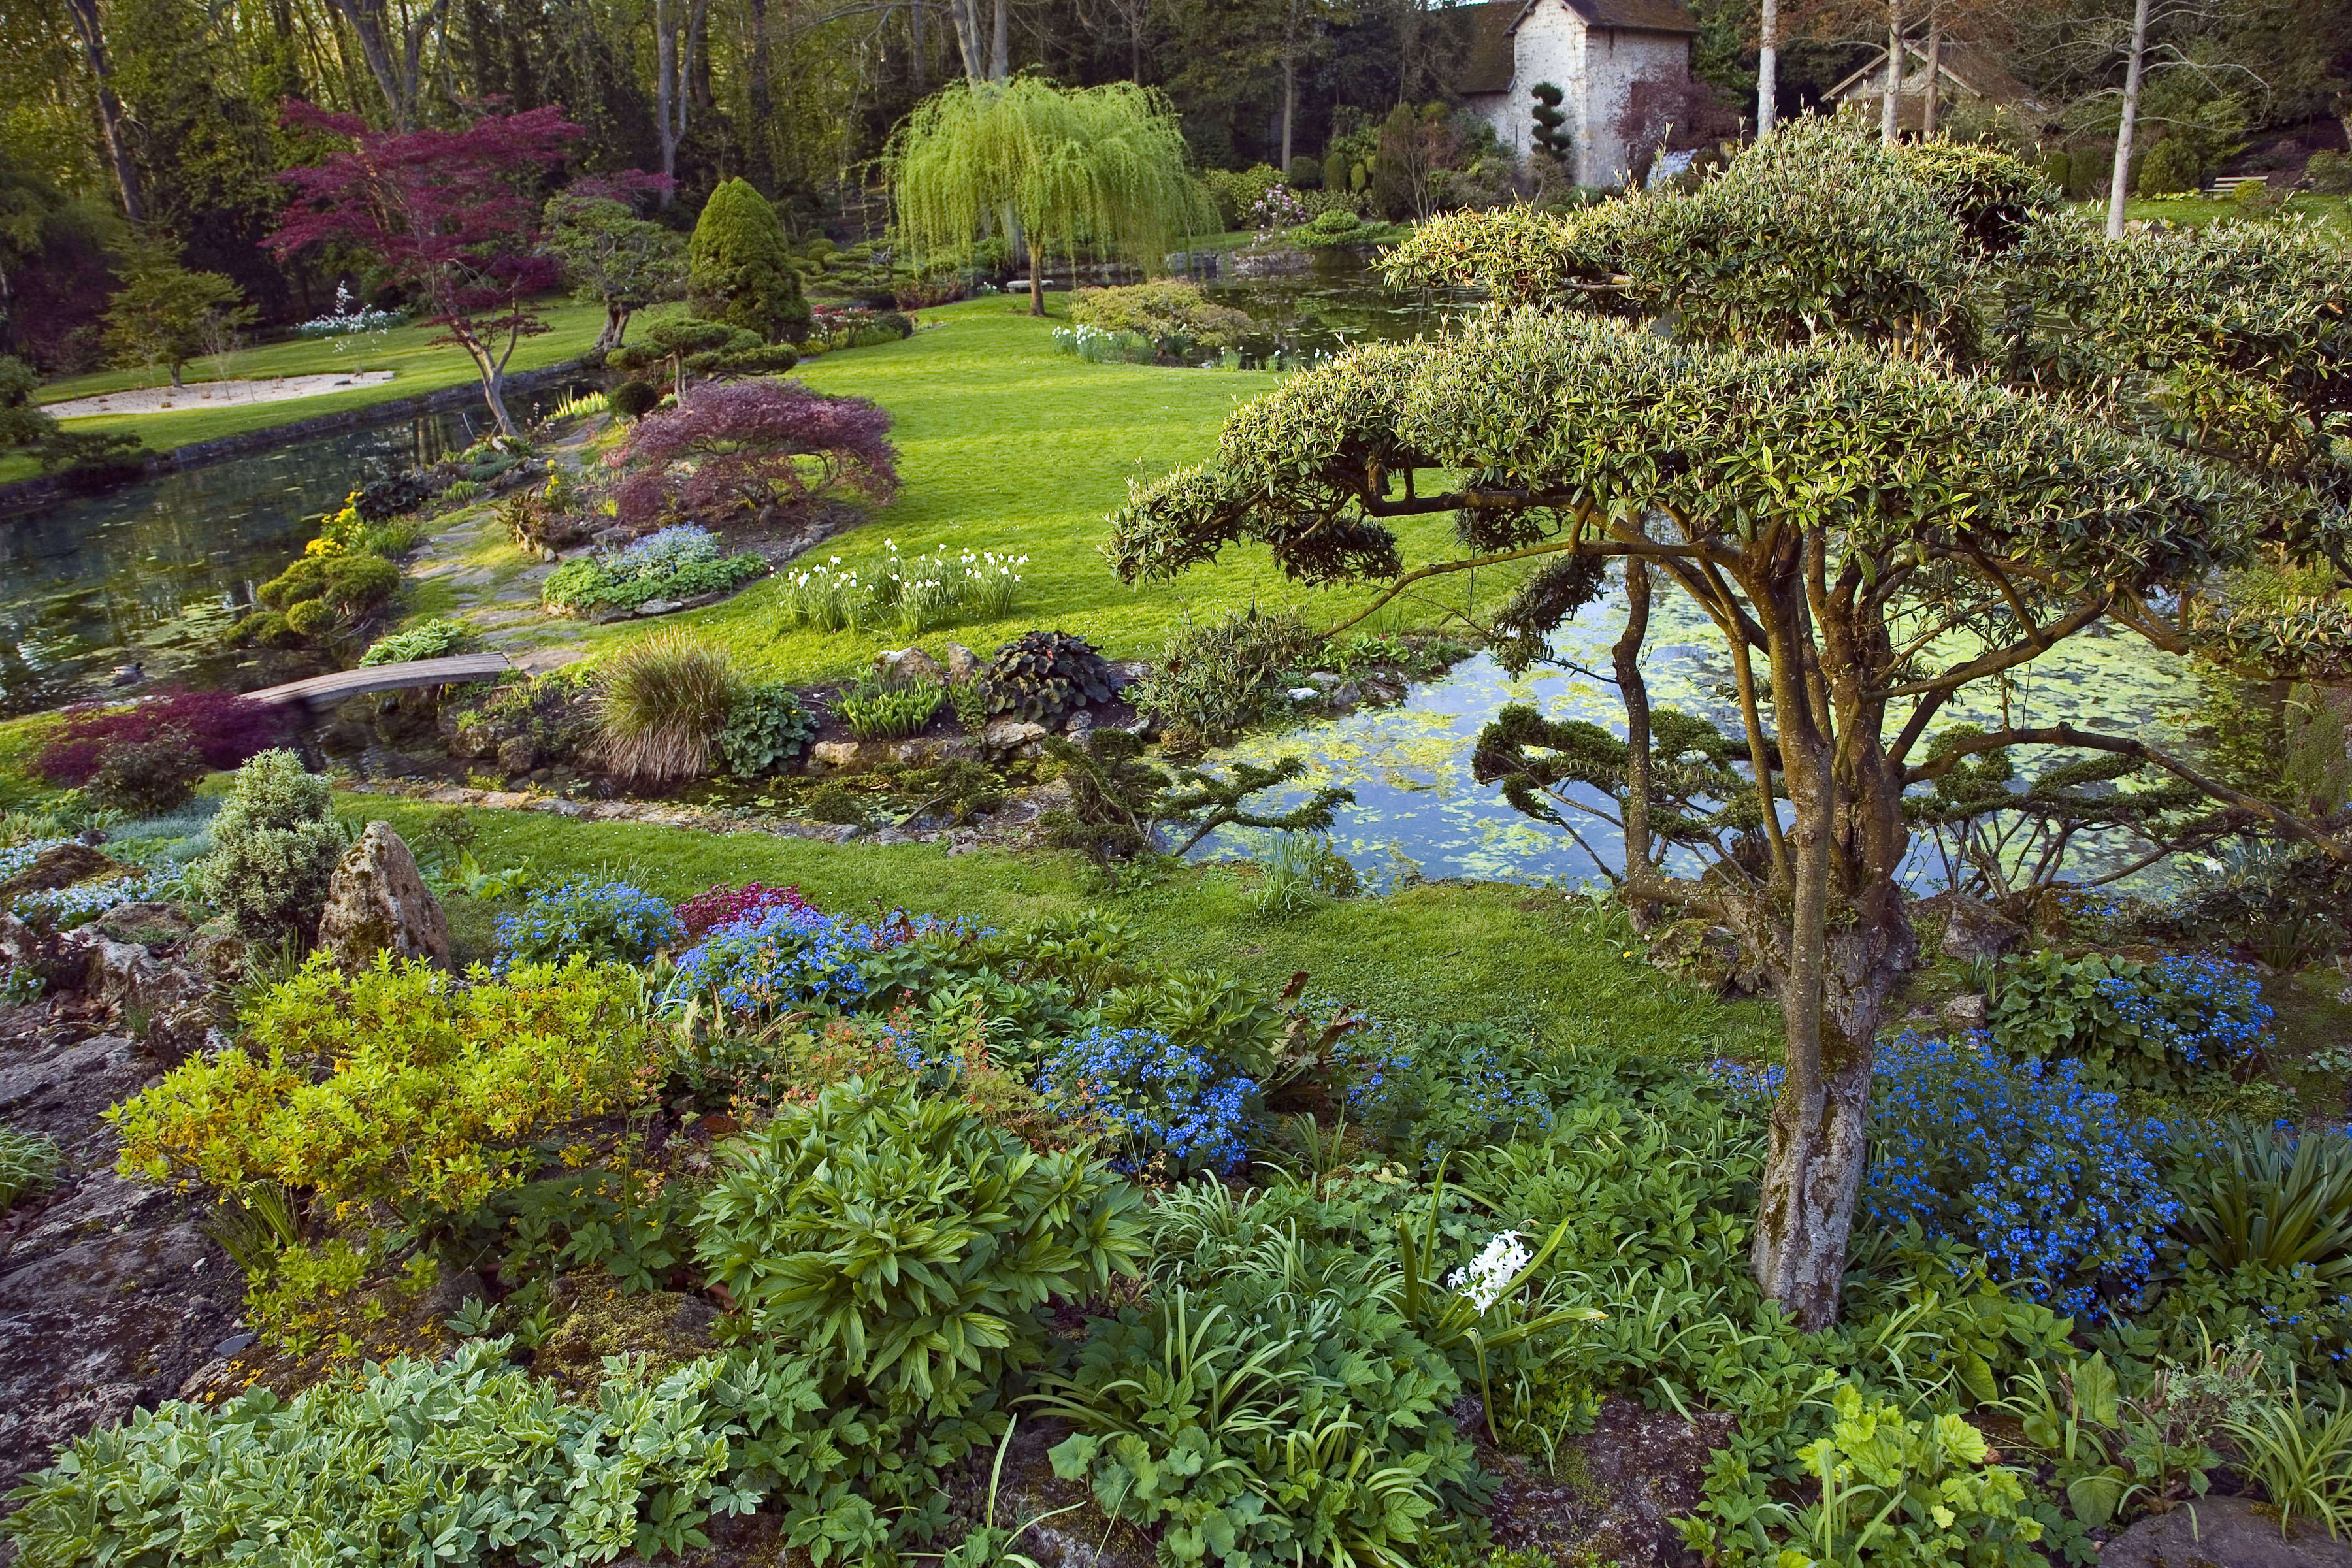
pixel 1601 53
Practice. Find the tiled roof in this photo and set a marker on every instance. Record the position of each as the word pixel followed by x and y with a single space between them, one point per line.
pixel 1637 15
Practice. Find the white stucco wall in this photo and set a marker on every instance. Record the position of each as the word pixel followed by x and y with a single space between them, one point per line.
pixel 1595 69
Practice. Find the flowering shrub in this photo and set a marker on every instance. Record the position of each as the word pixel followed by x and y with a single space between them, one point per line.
pixel 350 317
pixel 789 956
pixel 396 1085
pixel 1448 1088
pixel 751 446
pixel 607 922
pixel 2148 1025
pixel 725 906
pixel 1277 208
pixel 1162 1105
pixel 224 728
pixel 2044 1175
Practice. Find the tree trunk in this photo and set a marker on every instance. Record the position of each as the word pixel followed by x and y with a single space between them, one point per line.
pixel 1635 694
pixel 110 108
pixel 665 91
pixel 762 139
pixel 494 389
pixel 616 326
pixel 1890 109
pixel 1290 102
pixel 695 88
pixel 966 15
pixel 1931 90
pixel 2119 191
pixel 999 47
pixel 917 50
pixel 1767 70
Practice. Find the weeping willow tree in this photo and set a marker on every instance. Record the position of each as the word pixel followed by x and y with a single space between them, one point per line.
pixel 1100 166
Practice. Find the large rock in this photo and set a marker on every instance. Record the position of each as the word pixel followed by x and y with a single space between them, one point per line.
pixel 1013 737
pixel 963 663
pixel 2223 1532
pixel 1973 932
pixel 377 902
pixel 62 866
pixel 907 664
pixel 1616 1497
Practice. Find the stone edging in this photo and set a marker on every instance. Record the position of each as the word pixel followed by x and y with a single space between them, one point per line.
pixel 31 495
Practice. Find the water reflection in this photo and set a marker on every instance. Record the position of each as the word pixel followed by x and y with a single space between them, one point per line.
pixel 153 571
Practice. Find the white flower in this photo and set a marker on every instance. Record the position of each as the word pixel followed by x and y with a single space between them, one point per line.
pixel 1490 1273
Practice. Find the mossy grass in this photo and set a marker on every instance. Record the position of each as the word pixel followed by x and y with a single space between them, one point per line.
pixel 1441 952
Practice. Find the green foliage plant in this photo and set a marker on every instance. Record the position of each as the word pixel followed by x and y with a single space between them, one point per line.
pixel 29 1162
pixel 435 639
pixel 880 710
pixel 739 267
pixel 905 1248
pixel 275 844
pixel 1892 1490
pixel 472 1454
pixel 1215 680
pixel 166 314
pixel 394 1085
pixel 1044 677
pixel 2301 1453
pixel 766 729
pixel 1175 315
pixel 2255 1197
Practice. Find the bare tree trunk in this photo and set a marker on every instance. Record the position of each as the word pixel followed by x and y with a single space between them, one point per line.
pixel 1931 90
pixel 696 85
pixel 1000 48
pixel 1635 694
pixel 918 49
pixel 966 15
pixel 1890 105
pixel 665 94
pixel 1767 69
pixel 2119 191
pixel 762 140
pixel 1289 103
pixel 110 108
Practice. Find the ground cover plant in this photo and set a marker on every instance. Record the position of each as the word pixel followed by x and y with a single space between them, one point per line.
pixel 681 562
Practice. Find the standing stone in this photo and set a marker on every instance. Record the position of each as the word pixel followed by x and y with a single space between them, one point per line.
pixel 377 902
pixel 907 663
pixel 963 663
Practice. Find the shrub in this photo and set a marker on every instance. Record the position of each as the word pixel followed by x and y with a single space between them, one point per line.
pixel 2168 168
pixel 1044 677
pixel 724 906
pixel 1165 1108
pixel 2329 173
pixel 473 1455
pixel 739 268
pixel 434 639
pixel 1213 682
pixel 2148 1026
pixel 224 729
pixel 2045 1177
pixel 661 704
pixel 391 495
pixel 1898 1491
pixel 751 446
pixel 1177 317
pixel 876 710
pixel 148 778
pixel 632 400
pixel 29 1162
pixel 905 1249
pixel 607 922
pixel 766 729
pixel 309 617
pixel 1306 173
pixel 276 845
pixel 396 1085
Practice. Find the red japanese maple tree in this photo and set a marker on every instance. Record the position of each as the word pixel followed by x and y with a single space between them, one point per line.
pixel 451 216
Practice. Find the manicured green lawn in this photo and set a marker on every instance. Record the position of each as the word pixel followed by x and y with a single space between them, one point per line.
pixel 2333 214
pixel 1006 444
pixel 1452 952
pixel 420 366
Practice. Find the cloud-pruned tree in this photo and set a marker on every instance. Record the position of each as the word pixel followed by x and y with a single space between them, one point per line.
pixel 1904 396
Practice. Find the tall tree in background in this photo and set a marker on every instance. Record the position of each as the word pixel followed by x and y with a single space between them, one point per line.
pixel 110 118
pixel 164 314
pixel 393 47
pixel 2119 190
pixel 451 216
pixel 1303 22
pixel 1104 166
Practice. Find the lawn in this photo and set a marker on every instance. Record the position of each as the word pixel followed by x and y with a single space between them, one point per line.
pixel 420 366
pixel 1006 444
pixel 2333 215
pixel 1441 952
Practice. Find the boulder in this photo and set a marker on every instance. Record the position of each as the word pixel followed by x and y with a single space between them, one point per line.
pixel 907 664
pixel 377 902
pixel 963 663
pixel 834 754
pixel 1974 931
pixel 2227 1531
pixel 63 866
pixel 1967 1012
pixel 1008 737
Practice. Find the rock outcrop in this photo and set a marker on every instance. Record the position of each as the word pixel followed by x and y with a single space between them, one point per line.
pixel 378 902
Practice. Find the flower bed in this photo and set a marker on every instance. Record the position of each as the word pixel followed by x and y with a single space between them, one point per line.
pixel 680 563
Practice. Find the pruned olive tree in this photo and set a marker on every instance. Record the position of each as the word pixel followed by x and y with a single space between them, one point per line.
pixel 1774 396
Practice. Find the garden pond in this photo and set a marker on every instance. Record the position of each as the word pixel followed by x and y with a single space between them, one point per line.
pixel 154 571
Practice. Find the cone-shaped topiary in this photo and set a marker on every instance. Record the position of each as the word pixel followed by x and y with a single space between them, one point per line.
pixel 739 271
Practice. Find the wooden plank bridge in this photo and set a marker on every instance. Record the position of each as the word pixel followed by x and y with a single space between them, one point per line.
pixel 325 690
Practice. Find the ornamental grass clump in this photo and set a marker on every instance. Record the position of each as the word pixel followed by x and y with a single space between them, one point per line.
pixel 275 844
pixel 661 705
pixel 607 922
pixel 396 1085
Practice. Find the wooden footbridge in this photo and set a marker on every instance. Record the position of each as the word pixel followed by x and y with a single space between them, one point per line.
pixel 325 690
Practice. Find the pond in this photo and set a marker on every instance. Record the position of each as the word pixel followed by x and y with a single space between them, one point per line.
pixel 153 571
pixel 1419 813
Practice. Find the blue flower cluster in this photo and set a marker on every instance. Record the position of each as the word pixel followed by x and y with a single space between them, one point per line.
pixel 1444 1088
pixel 2049 1180
pixel 1153 1099
pixel 61 909
pixel 2205 1014
pixel 607 921
pixel 17 858
pixel 661 553
pixel 790 956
